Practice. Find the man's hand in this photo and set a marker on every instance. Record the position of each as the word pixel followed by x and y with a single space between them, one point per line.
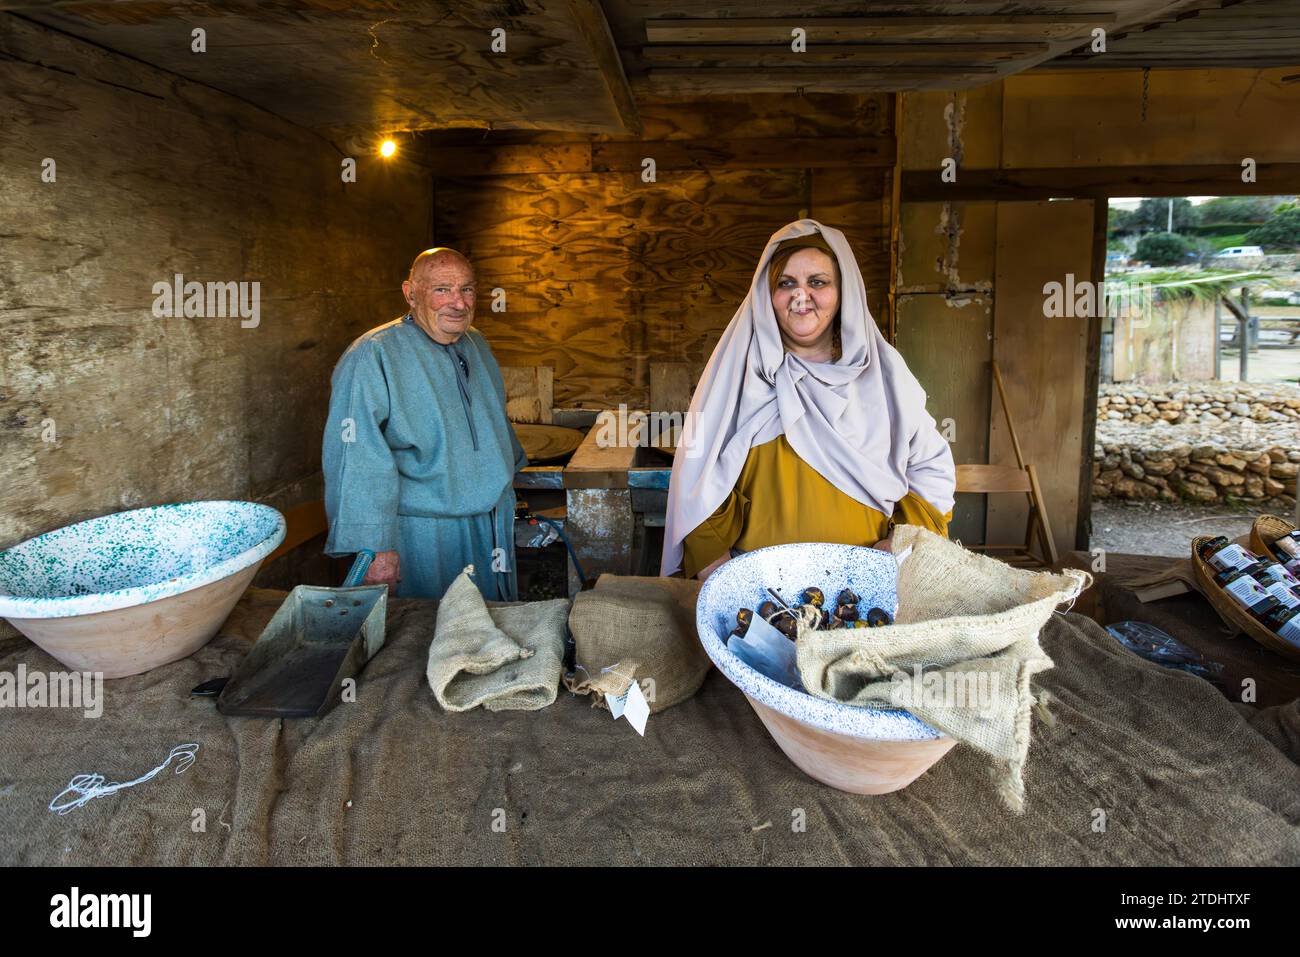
pixel 386 569
pixel 885 544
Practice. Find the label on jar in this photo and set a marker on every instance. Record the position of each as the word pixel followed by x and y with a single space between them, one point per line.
pixel 1285 595
pixel 1287 545
pixel 1279 574
pixel 1230 557
pixel 1246 591
pixel 1273 572
pixel 1290 630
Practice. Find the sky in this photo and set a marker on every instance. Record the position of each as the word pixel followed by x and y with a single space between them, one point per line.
pixel 1131 202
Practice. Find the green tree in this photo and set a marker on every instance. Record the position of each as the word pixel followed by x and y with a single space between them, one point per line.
pixel 1152 215
pixel 1239 209
pixel 1282 230
pixel 1120 220
pixel 1163 249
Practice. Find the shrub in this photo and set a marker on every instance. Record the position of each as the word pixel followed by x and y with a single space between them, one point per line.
pixel 1163 249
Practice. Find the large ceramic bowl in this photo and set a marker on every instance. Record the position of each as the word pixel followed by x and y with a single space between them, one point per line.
pixel 134 590
pixel 862 750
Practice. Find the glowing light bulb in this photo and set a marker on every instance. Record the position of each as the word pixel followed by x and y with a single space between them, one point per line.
pixel 387 148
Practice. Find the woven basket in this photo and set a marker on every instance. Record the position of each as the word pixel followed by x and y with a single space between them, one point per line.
pixel 1230 611
pixel 1267 530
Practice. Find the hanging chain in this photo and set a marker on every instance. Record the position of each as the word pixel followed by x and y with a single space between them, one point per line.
pixel 1146 87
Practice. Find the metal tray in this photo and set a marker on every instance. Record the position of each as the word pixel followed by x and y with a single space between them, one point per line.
pixel 316 640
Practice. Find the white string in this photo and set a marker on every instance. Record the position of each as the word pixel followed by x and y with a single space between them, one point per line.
pixel 87 787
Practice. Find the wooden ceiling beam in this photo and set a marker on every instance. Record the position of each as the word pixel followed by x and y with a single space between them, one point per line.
pixel 845 53
pixel 722 80
pixel 594 28
pixel 1224 179
pixel 1063 26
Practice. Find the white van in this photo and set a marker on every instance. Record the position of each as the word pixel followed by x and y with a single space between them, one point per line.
pixel 1240 252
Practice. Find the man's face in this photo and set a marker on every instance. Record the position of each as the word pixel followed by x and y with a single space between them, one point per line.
pixel 442 298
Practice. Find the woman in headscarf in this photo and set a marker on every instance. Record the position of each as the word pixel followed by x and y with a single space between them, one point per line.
pixel 807 426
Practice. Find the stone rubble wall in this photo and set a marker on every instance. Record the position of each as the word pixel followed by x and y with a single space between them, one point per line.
pixel 1212 443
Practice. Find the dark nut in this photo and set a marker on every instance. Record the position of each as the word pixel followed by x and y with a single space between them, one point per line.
pixel 847 612
pixel 878 617
pixel 813 596
pixel 847 597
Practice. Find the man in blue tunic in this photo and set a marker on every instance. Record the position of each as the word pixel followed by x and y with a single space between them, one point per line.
pixel 418 455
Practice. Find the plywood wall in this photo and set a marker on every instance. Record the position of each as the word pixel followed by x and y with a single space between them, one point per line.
pixel 945 328
pixel 604 273
pixel 104 406
pixel 1042 360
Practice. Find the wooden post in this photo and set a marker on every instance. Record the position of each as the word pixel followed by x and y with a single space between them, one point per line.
pixel 1242 344
pixel 895 221
pixel 1243 336
pixel 1252 322
pixel 1218 325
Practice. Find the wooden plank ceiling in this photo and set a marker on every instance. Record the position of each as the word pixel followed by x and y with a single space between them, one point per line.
pixel 355 68
pixel 1222 33
pixel 706 47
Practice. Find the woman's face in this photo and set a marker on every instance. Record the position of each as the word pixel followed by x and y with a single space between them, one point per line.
pixel 806 298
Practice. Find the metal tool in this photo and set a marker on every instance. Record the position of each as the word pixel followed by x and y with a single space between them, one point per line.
pixel 318 639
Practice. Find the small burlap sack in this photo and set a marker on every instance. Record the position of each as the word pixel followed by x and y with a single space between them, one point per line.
pixel 960 655
pixel 505 658
pixel 630 628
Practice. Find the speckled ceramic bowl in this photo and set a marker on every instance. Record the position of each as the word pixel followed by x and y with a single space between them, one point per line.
pixel 134 590
pixel 863 750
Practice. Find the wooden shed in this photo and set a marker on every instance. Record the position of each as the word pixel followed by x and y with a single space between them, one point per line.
pixel 612 170
pixel 203 203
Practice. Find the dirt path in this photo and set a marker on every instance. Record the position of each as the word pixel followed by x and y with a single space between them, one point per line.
pixel 1161 529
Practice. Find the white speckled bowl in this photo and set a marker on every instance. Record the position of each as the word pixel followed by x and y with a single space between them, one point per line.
pixel 127 592
pixel 862 750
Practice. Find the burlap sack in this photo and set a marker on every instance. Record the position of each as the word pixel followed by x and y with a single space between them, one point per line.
pixel 505 658
pixel 629 628
pixel 960 655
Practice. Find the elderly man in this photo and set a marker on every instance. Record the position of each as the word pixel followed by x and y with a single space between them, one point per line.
pixel 418 455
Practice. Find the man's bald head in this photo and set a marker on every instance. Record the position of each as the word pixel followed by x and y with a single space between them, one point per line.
pixel 437 256
pixel 440 290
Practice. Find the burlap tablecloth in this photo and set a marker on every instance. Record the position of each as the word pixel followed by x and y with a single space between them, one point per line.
pixel 1181 775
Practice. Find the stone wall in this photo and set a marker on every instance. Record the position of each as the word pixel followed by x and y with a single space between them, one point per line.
pixel 1211 443
pixel 1215 403
pixel 105 406
pixel 1204 473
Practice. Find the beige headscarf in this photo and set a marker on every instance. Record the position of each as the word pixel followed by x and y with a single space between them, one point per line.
pixel 859 421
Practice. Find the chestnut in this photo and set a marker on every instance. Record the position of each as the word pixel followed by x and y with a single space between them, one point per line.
pixel 878 617
pixel 847 597
pixel 813 596
pixel 847 612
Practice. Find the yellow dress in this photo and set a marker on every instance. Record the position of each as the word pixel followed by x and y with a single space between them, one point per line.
pixel 779 498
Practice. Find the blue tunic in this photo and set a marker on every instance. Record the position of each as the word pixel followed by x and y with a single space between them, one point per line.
pixel 419 457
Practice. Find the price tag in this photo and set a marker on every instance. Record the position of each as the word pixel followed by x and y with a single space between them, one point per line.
pixel 631 704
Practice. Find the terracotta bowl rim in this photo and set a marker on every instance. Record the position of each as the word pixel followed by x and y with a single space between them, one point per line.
pixel 870 724
pixel 68 606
